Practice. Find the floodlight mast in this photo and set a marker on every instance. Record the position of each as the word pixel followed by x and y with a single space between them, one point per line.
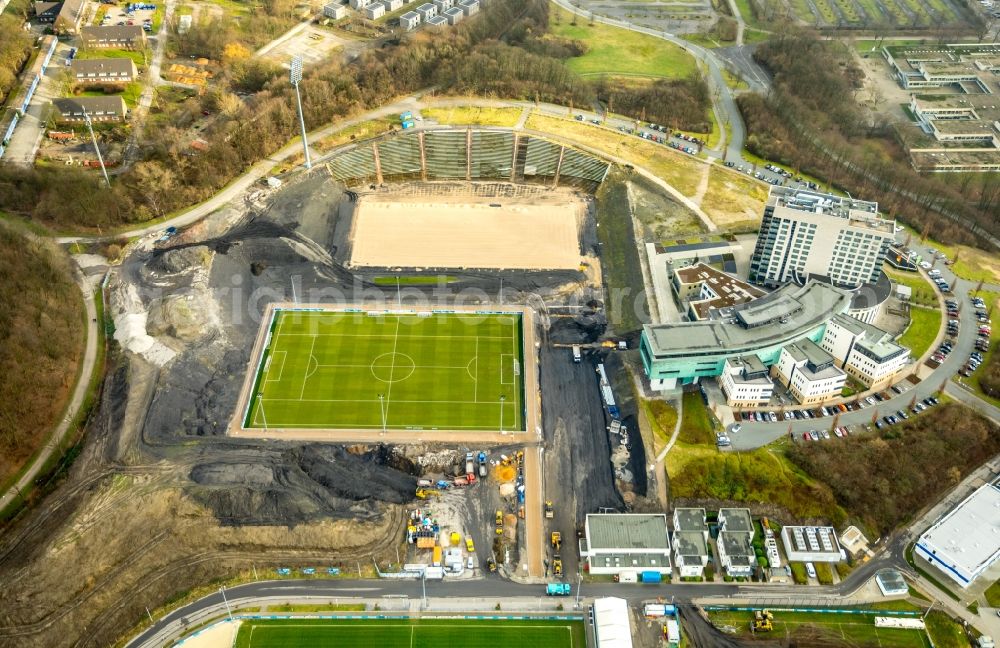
pixel 296 76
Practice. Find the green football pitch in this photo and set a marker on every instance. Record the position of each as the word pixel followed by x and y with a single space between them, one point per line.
pixel 357 370
pixel 404 633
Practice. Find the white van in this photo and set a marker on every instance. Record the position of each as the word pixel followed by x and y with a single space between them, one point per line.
pixel 811 570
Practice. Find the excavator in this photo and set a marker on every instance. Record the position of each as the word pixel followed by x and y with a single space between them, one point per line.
pixel 762 621
pixel 424 493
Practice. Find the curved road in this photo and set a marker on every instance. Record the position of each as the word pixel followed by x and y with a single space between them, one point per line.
pixel 723 102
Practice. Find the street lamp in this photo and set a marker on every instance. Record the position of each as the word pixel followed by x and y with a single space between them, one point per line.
pixel 295 76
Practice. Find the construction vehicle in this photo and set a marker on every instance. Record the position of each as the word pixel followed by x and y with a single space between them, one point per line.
pixel 499 522
pixel 482 464
pixel 424 493
pixel 549 512
pixel 491 564
pixel 556 540
pixel 576 354
pixel 557 565
pixel 470 467
pixel 762 621
pixel 469 545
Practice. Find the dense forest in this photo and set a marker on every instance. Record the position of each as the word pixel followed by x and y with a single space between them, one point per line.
pixel 41 342
pixel 883 481
pixel 505 52
pixel 15 47
pixel 812 122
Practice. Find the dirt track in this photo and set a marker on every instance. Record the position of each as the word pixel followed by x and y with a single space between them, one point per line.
pixel 454 232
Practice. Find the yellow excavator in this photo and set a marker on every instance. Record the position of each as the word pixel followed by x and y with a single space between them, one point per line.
pixel 762 621
pixel 424 493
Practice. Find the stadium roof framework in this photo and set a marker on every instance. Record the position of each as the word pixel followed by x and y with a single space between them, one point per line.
pixel 966 541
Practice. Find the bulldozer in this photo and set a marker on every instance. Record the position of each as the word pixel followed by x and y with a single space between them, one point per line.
pixel 424 493
pixel 762 621
pixel 556 540
pixel 557 565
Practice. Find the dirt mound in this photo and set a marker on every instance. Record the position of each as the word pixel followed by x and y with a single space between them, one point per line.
pixel 584 328
pixel 301 484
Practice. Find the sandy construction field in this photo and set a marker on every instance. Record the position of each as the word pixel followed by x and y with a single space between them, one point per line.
pixel 395 232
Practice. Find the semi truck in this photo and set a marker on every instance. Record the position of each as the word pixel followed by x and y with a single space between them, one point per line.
pixel 558 589
pixel 577 355
pixel 470 468
pixel 482 465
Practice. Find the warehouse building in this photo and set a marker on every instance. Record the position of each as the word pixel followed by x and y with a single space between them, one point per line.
pixel 616 542
pixel 811 544
pixel 966 541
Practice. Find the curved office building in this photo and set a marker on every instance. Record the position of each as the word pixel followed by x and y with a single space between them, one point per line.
pixel 683 352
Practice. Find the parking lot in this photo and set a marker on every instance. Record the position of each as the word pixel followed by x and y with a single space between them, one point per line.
pixel 126 14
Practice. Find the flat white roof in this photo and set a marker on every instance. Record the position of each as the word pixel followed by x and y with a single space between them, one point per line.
pixel 611 623
pixel 968 536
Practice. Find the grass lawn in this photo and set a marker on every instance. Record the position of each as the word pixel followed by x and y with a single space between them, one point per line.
pixel 973 264
pixel 992 300
pixel 696 424
pixel 734 201
pixel 677 169
pixel 662 419
pixel 827 629
pixel 944 631
pixel 317 607
pixel 923 293
pixel 404 633
pixel 364 130
pixel 923 328
pixel 993 594
pixel 428 280
pixel 473 115
pixel 611 50
pixel 352 370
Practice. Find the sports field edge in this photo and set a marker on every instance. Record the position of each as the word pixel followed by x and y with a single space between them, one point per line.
pixel 529 383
